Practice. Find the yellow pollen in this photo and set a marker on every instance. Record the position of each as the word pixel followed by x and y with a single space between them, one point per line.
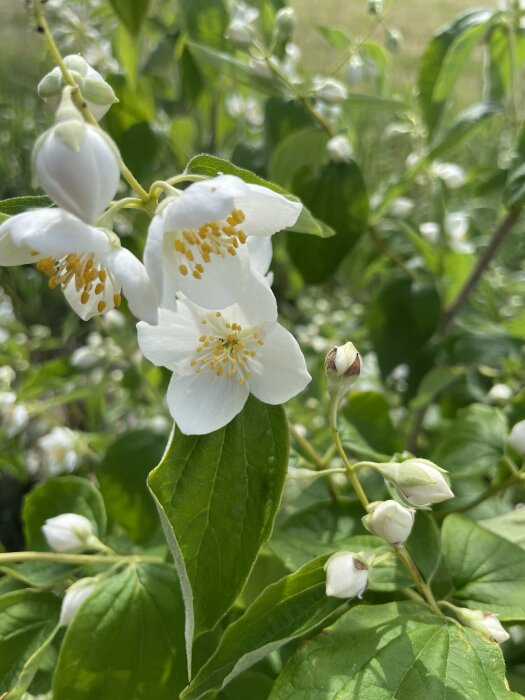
pixel 99 288
pixel 183 269
pixel 101 306
pixel 196 274
pixel 34 252
pixel 117 299
pixel 84 298
pixel 54 282
pixel 102 275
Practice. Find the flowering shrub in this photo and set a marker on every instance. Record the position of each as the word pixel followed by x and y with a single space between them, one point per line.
pixel 169 529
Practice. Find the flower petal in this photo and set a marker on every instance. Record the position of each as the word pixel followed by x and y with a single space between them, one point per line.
pixel 260 249
pixel 173 341
pixel 278 370
pixel 153 253
pixel 136 285
pixel 266 211
pixel 202 403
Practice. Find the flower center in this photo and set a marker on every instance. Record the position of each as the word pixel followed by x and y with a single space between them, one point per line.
pixel 213 238
pixel 89 276
pixel 227 348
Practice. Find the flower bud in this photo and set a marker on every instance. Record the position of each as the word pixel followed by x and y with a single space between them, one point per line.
pixel 346 576
pixel 331 91
pixel 486 623
pixel 393 40
pixel 98 94
pixel 73 599
pixel 69 532
pixel 240 33
pixel 500 394
pixel 76 163
pixel 339 149
pixel 389 520
pixel 419 481
pixel 285 22
pixel 516 439
pixel 342 367
pixel 375 7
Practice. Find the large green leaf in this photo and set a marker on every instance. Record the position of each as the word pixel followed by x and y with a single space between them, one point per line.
pixel 474 443
pixel 463 127
pixel 369 413
pixel 131 12
pixel 335 193
pixel 510 526
pixel 444 59
pixel 122 475
pixel 217 496
pixel 27 621
pixel 286 610
pixel 126 640
pixel 205 22
pixel 17 205
pixel 210 165
pixel 487 571
pixel 301 148
pixel 398 650
pixel 64 494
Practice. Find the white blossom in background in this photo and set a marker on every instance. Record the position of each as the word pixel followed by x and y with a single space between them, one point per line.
pixel 7 376
pixel 355 71
pixel 196 243
pixel 14 416
pixel 76 163
pixel 339 149
pixel 452 175
pixel 401 207
pixel 98 94
pixel 456 224
pixel 346 576
pixel 516 439
pixel 430 231
pixel 261 68
pixel 88 264
pixel 69 532
pixel 500 394
pixel 389 520
pixel 329 90
pixel 74 597
pixel 219 357
pixel 60 450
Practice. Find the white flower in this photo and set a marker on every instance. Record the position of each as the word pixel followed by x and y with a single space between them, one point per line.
pixel 74 597
pixel 60 450
pixel 69 532
pixel 452 175
pixel 401 207
pixel 516 439
pixel 430 231
pixel 7 375
pixel 493 628
pixel 261 253
pixel 355 71
pixel 419 481
pixel 330 90
pixel 219 357
pixel 240 33
pixel 346 576
pixel 196 243
pixel 389 520
pixel 87 263
pixel 15 416
pixel 77 164
pixel 98 94
pixel 500 394
pixel 339 149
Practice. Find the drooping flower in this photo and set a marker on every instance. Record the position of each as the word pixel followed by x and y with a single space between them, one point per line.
pixel 346 575
pixel 74 597
pixel 196 243
pixel 69 532
pixel 389 520
pixel 88 264
pixel 219 357
pixel 77 163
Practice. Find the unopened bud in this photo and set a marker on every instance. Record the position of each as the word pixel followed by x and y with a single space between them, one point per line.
pixel 285 22
pixel 516 439
pixel 69 532
pixel 240 33
pixel 375 7
pixel 389 520
pixel 331 91
pixel 500 394
pixel 76 163
pixel 339 149
pixel 393 40
pixel 419 481
pixel 486 623
pixel 98 94
pixel 73 599
pixel 346 576
pixel 342 368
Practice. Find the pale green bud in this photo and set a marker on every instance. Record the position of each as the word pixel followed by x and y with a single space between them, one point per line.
pixel 342 368
pixel 419 481
pixel 389 520
pixel 74 597
pixel 484 622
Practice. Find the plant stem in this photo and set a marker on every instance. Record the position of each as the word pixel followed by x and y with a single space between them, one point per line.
pixel 497 239
pixel 60 558
pixel 350 470
pixel 314 457
pixel 420 582
pixel 43 27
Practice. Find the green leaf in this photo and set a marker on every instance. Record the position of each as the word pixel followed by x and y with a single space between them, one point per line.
pixel 305 147
pixel 27 620
pixel 514 193
pixel 17 205
pixel 463 127
pixel 444 59
pixel 424 544
pixel 39 574
pixel 284 117
pixel 132 13
pixel 337 38
pixel 122 475
pixel 456 268
pixel 335 193
pixel 398 650
pixel 140 147
pixel 510 526
pixel 286 610
pixel 487 571
pixel 434 383
pixel 369 413
pixel 126 640
pixel 476 443
pixel 205 22
pixel 57 495
pixel 402 317
pixel 217 496
pixel 211 166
